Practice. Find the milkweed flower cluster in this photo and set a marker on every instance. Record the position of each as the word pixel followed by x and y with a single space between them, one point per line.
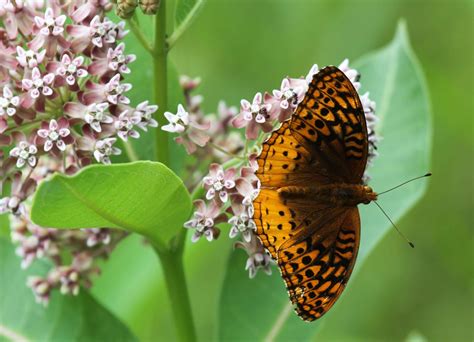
pixel 63 105
pixel 229 184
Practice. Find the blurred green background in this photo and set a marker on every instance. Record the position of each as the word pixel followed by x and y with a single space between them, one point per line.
pixel 240 47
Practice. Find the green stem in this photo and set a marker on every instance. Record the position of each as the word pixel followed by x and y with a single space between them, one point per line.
pixel 135 27
pixel 160 83
pixel 172 265
pixel 131 153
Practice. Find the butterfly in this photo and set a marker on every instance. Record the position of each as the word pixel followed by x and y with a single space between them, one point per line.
pixel 311 172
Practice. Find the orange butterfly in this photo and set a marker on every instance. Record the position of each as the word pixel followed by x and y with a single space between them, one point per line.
pixel 311 172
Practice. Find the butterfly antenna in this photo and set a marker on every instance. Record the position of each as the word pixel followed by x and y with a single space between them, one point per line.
pixel 408 181
pixel 396 228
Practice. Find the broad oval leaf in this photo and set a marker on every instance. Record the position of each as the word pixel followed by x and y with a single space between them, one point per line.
pixel 186 11
pixel 259 309
pixel 66 318
pixel 141 197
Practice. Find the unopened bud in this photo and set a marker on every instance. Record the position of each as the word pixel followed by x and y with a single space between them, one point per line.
pixel 126 8
pixel 149 7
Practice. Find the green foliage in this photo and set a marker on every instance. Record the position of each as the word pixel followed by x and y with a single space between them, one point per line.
pixel 398 87
pixel 68 318
pixel 141 197
pixel 186 10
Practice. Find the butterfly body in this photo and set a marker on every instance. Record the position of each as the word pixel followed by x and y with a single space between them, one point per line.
pixel 340 195
pixel 311 173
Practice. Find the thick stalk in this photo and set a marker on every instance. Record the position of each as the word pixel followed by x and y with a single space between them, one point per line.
pixel 172 265
pixel 160 83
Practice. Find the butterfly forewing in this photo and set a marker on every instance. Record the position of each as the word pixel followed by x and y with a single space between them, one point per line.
pixel 314 243
pixel 330 123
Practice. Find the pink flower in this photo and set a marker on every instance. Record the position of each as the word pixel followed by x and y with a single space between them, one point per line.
pixel 204 221
pixel 188 83
pixel 177 122
pixel 18 16
pixel 219 182
pixel 55 134
pixel 242 221
pixel 286 99
pixel 258 258
pixel 50 29
pixel 29 58
pixel 41 289
pixel 125 125
pixel 100 32
pixel 191 132
pixel 247 190
pixel 88 9
pixel 115 61
pixel 145 112
pixel 104 149
pixel 68 69
pixel 254 115
pixel 8 102
pixel 113 92
pixel 25 153
pixel 38 84
pixel 95 114
pixel 352 74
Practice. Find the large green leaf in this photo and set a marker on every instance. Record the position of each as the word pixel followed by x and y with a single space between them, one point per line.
pixel 66 318
pixel 259 309
pixel 186 11
pixel 141 197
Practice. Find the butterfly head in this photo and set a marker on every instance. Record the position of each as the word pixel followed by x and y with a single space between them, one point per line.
pixel 369 194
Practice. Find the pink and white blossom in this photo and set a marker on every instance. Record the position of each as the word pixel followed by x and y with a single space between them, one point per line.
pixel 242 222
pixel 125 125
pixel 29 58
pixel 177 122
pixel 55 134
pixel 204 220
pixel 25 153
pixel 38 84
pixel 219 182
pixel 8 102
pixel 258 258
pixel 104 149
pixel 69 69
pixel 254 116
pixel 50 29
pixel 145 111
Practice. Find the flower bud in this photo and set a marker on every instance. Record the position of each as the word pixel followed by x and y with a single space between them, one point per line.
pixel 126 8
pixel 149 7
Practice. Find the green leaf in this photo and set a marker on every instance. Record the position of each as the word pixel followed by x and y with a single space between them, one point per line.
pixel 66 318
pixel 259 309
pixel 141 197
pixel 186 11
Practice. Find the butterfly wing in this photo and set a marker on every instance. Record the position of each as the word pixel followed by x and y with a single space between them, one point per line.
pixel 283 161
pixel 317 262
pixel 325 142
pixel 330 123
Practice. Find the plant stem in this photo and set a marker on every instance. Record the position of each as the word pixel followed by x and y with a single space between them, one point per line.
pixel 131 153
pixel 160 82
pixel 135 27
pixel 172 264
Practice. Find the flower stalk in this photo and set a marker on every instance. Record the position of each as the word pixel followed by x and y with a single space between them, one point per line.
pixel 160 82
pixel 171 256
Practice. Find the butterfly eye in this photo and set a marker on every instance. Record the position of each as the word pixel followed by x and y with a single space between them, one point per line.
pixel 368 189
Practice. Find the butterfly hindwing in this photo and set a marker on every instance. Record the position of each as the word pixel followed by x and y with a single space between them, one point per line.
pixel 317 266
